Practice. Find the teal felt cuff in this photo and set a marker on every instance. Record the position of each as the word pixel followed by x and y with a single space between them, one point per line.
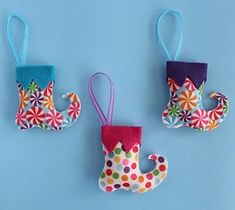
pixel 41 74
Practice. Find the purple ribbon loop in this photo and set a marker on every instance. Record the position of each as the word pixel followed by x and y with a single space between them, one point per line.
pixel 106 120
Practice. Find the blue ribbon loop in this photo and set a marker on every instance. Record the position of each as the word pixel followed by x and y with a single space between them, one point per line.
pixel 180 22
pixel 20 56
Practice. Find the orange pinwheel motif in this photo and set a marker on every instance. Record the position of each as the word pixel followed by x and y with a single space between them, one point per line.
pixel 23 98
pixel 187 100
pixel 212 125
pixel 48 102
pixel 72 97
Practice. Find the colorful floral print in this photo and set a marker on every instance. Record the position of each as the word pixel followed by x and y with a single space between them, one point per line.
pixel 36 108
pixel 121 171
pixel 185 107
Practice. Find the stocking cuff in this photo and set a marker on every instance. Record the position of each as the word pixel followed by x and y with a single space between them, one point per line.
pixel 127 135
pixel 41 74
pixel 179 71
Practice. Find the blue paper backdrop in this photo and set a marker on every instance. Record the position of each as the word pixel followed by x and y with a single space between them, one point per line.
pixel 59 170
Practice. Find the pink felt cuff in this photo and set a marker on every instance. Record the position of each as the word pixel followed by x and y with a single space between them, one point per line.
pixel 127 135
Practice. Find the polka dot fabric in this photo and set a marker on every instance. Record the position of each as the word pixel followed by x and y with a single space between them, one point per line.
pixel 121 171
pixel 121 147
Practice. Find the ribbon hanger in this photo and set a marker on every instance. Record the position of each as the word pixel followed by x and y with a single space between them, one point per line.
pixel 162 44
pixel 20 56
pixel 106 120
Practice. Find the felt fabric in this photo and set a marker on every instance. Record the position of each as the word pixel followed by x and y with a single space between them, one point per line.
pixel 36 106
pixel 121 145
pixel 127 135
pixel 185 102
pixel 35 86
pixel 179 71
pixel 121 169
pixel 41 74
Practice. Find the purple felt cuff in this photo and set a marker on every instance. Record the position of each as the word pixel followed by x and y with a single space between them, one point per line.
pixel 127 135
pixel 179 71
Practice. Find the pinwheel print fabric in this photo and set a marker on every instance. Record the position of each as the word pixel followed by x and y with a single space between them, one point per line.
pixel 36 105
pixel 35 87
pixel 186 82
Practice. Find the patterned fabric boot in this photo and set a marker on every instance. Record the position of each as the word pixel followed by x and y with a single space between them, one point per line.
pixel 121 146
pixel 36 105
pixel 186 82
pixel 35 87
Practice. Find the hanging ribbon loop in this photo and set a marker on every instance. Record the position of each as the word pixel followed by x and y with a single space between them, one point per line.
pixel 106 120
pixel 20 56
pixel 180 22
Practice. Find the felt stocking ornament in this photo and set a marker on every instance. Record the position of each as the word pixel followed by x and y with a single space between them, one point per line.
pixel 186 81
pixel 121 146
pixel 35 86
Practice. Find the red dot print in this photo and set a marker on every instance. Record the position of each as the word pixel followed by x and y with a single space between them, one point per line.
pixel 135 149
pixel 162 167
pixel 109 172
pixel 133 176
pixel 133 165
pixel 126 184
pixel 148 185
pixel 153 157
pixel 149 176
pixel 108 189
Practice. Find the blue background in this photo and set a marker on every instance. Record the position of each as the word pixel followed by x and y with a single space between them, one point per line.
pixel 59 170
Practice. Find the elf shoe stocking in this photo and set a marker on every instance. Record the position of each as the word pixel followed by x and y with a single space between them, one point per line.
pixel 185 82
pixel 121 146
pixel 35 86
